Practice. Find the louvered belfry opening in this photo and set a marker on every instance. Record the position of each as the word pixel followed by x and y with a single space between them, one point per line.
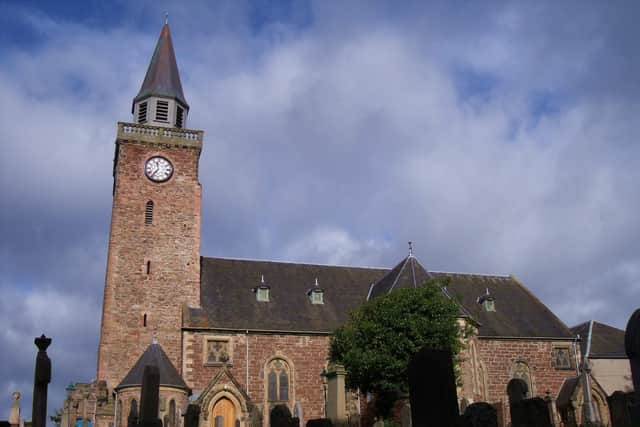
pixel 162 111
pixel 148 213
pixel 179 116
pixel 142 112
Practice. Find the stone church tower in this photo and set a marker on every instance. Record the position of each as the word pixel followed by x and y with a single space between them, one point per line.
pixel 153 266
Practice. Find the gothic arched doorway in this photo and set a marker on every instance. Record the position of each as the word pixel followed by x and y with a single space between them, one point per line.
pixel 223 414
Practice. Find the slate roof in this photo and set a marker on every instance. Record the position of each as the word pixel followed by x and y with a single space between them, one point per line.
pixel 162 78
pixel 407 274
pixel 607 342
pixel 154 355
pixel 228 301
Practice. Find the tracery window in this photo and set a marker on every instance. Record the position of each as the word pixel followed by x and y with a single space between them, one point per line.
pixel 278 375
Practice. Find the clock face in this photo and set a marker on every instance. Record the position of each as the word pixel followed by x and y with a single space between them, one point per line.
pixel 158 169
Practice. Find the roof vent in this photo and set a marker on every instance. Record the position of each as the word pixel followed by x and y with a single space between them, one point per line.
pixel 316 294
pixel 488 301
pixel 262 291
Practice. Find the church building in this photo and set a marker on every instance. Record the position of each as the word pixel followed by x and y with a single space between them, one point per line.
pixel 238 336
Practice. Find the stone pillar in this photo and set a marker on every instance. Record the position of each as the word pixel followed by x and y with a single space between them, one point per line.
pixel 336 399
pixel 41 383
pixel 14 415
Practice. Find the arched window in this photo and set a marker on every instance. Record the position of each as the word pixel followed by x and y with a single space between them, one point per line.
pixel 148 213
pixel 278 375
pixel 521 371
pixel 172 414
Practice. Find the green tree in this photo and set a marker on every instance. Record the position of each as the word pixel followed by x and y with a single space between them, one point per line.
pixel 380 338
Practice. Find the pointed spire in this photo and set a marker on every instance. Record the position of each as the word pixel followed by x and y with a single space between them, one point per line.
pixel 410 248
pixel 163 78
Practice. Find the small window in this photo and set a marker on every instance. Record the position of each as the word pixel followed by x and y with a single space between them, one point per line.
pixel 148 213
pixel 179 116
pixel 142 112
pixel 162 111
pixel 144 320
pixel 262 294
pixel 317 297
pixel 148 267
pixel 562 358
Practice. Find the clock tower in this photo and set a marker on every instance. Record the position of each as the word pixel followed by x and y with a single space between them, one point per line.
pixel 153 265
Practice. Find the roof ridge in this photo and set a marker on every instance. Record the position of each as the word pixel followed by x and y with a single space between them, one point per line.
pixel 404 264
pixel 460 273
pixel 275 261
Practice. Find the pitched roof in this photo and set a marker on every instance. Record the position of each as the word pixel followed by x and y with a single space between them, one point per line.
pixel 228 301
pixel 407 274
pixel 162 78
pixel 154 355
pixel 518 313
pixel 606 342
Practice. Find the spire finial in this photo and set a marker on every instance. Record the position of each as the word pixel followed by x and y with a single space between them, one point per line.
pixel 154 338
pixel 487 291
pixel 166 18
pixel 262 278
pixel 410 248
pixel 317 282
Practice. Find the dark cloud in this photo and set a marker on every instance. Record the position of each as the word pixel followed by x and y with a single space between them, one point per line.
pixel 500 138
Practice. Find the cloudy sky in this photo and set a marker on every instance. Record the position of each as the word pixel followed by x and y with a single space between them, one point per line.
pixel 499 137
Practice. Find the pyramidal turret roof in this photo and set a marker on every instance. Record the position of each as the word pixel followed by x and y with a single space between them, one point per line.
pixel 162 78
pixel 407 274
pixel 154 355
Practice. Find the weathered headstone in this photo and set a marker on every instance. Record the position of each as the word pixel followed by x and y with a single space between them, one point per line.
pixel 132 418
pixel 480 414
pixel 517 390
pixel 405 415
pixel 619 410
pixel 280 416
pixel 192 416
pixel 632 348
pixel 432 389
pixel 530 413
pixel 41 383
pixel 150 397
pixel 14 415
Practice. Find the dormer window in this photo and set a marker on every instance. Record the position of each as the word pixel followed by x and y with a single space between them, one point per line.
pixel 316 294
pixel 142 112
pixel 487 301
pixel 262 291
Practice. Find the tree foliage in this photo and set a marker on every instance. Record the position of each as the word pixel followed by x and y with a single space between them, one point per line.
pixel 380 338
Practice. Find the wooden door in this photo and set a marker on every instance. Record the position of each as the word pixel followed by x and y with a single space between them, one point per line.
pixel 223 414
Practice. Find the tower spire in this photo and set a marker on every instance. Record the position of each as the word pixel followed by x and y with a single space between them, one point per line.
pixel 161 101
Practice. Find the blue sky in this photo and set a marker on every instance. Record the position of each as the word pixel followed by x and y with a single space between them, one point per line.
pixel 500 137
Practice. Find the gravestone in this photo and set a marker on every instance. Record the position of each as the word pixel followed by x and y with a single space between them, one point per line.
pixel 150 397
pixel 432 389
pixel 530 413
pixel 632 348
pixel 320 422
pixel 14 415
pixel 405 415
pixel 132 418
pixel 619 409
pixel 480 414
pixel 41 383
pixel 280 416
pixel 192 416
pixel 517 390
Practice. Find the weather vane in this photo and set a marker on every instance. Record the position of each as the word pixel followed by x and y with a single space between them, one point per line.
pixel 166 18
